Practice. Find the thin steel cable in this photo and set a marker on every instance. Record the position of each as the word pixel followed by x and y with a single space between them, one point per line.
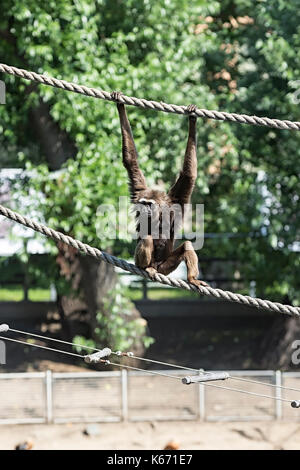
pixel 132 356
pixel 96 349
pixel 179 283
pixel 241 379
pixel 247 392
pixel 160 362
pixel 103 361
pixel 282 387
pixel 207 373
pixel 40 346
pixel 237 378
pixel 53 339
pixel 148 371
pixel 146 104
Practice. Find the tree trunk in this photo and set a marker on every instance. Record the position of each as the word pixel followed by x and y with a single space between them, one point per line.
pixel 276 349
pixel 55 143
pixel 97 279
pixel 90 279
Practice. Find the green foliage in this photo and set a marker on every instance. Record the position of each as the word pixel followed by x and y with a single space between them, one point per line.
pixel 234 55
pixel 157 293
pixel 118 329
pixel 16 294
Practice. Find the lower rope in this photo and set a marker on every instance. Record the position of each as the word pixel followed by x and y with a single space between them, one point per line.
pixel 120 263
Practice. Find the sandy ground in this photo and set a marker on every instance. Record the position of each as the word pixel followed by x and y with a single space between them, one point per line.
pixel 155 435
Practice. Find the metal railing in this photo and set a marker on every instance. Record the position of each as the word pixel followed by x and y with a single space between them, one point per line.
pixel 46 397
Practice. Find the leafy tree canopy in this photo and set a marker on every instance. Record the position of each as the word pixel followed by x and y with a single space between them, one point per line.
pixel 239 56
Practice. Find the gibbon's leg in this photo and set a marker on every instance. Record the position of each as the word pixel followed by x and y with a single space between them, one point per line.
pixel 184 252
pixel 181 191
pixel 143 254
pixel 137 180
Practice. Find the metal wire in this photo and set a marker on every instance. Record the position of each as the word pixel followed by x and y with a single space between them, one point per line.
pixel 175 366
pixel 247 392
pixel 81 356
pixel 258 382
pixel 154 361
pixel 53 339
pixel 230 377
pixel 153 372
pixel 147 371
pixel 40 346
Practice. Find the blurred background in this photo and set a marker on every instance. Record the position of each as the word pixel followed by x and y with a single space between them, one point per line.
pixel 60 158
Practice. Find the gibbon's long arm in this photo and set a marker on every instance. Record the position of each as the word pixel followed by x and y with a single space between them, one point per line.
pixel 137 180
pixel 181 191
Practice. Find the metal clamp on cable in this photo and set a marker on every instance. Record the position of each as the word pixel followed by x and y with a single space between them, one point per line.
pixel 94 358
pixel 128 354
pixel 209 377
pixel 4 328
pixel 295 404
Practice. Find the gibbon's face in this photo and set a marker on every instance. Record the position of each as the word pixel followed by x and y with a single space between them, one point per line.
pixel 152 202
pixel 148 206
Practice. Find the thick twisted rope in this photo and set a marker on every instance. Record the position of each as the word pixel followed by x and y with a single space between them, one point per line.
pixel 146 104
pixel 120 263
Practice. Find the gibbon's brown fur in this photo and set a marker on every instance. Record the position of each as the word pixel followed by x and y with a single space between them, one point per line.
pixel 157 254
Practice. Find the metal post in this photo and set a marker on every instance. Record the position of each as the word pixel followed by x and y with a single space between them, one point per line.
pixel 145 289
pixel 278 391
pixel 201 400
pixel 124 382
pixel 26 274
pixel 25 286
pixel 2 92
pixel 49 397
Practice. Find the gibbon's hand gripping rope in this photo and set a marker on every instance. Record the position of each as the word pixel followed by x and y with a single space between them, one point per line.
pixel 146 104
pixel 180 283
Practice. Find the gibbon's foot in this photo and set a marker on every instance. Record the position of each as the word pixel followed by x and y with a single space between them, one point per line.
pixel 151 271
pixel 116 95
pixel 191 109
pixel 197 282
